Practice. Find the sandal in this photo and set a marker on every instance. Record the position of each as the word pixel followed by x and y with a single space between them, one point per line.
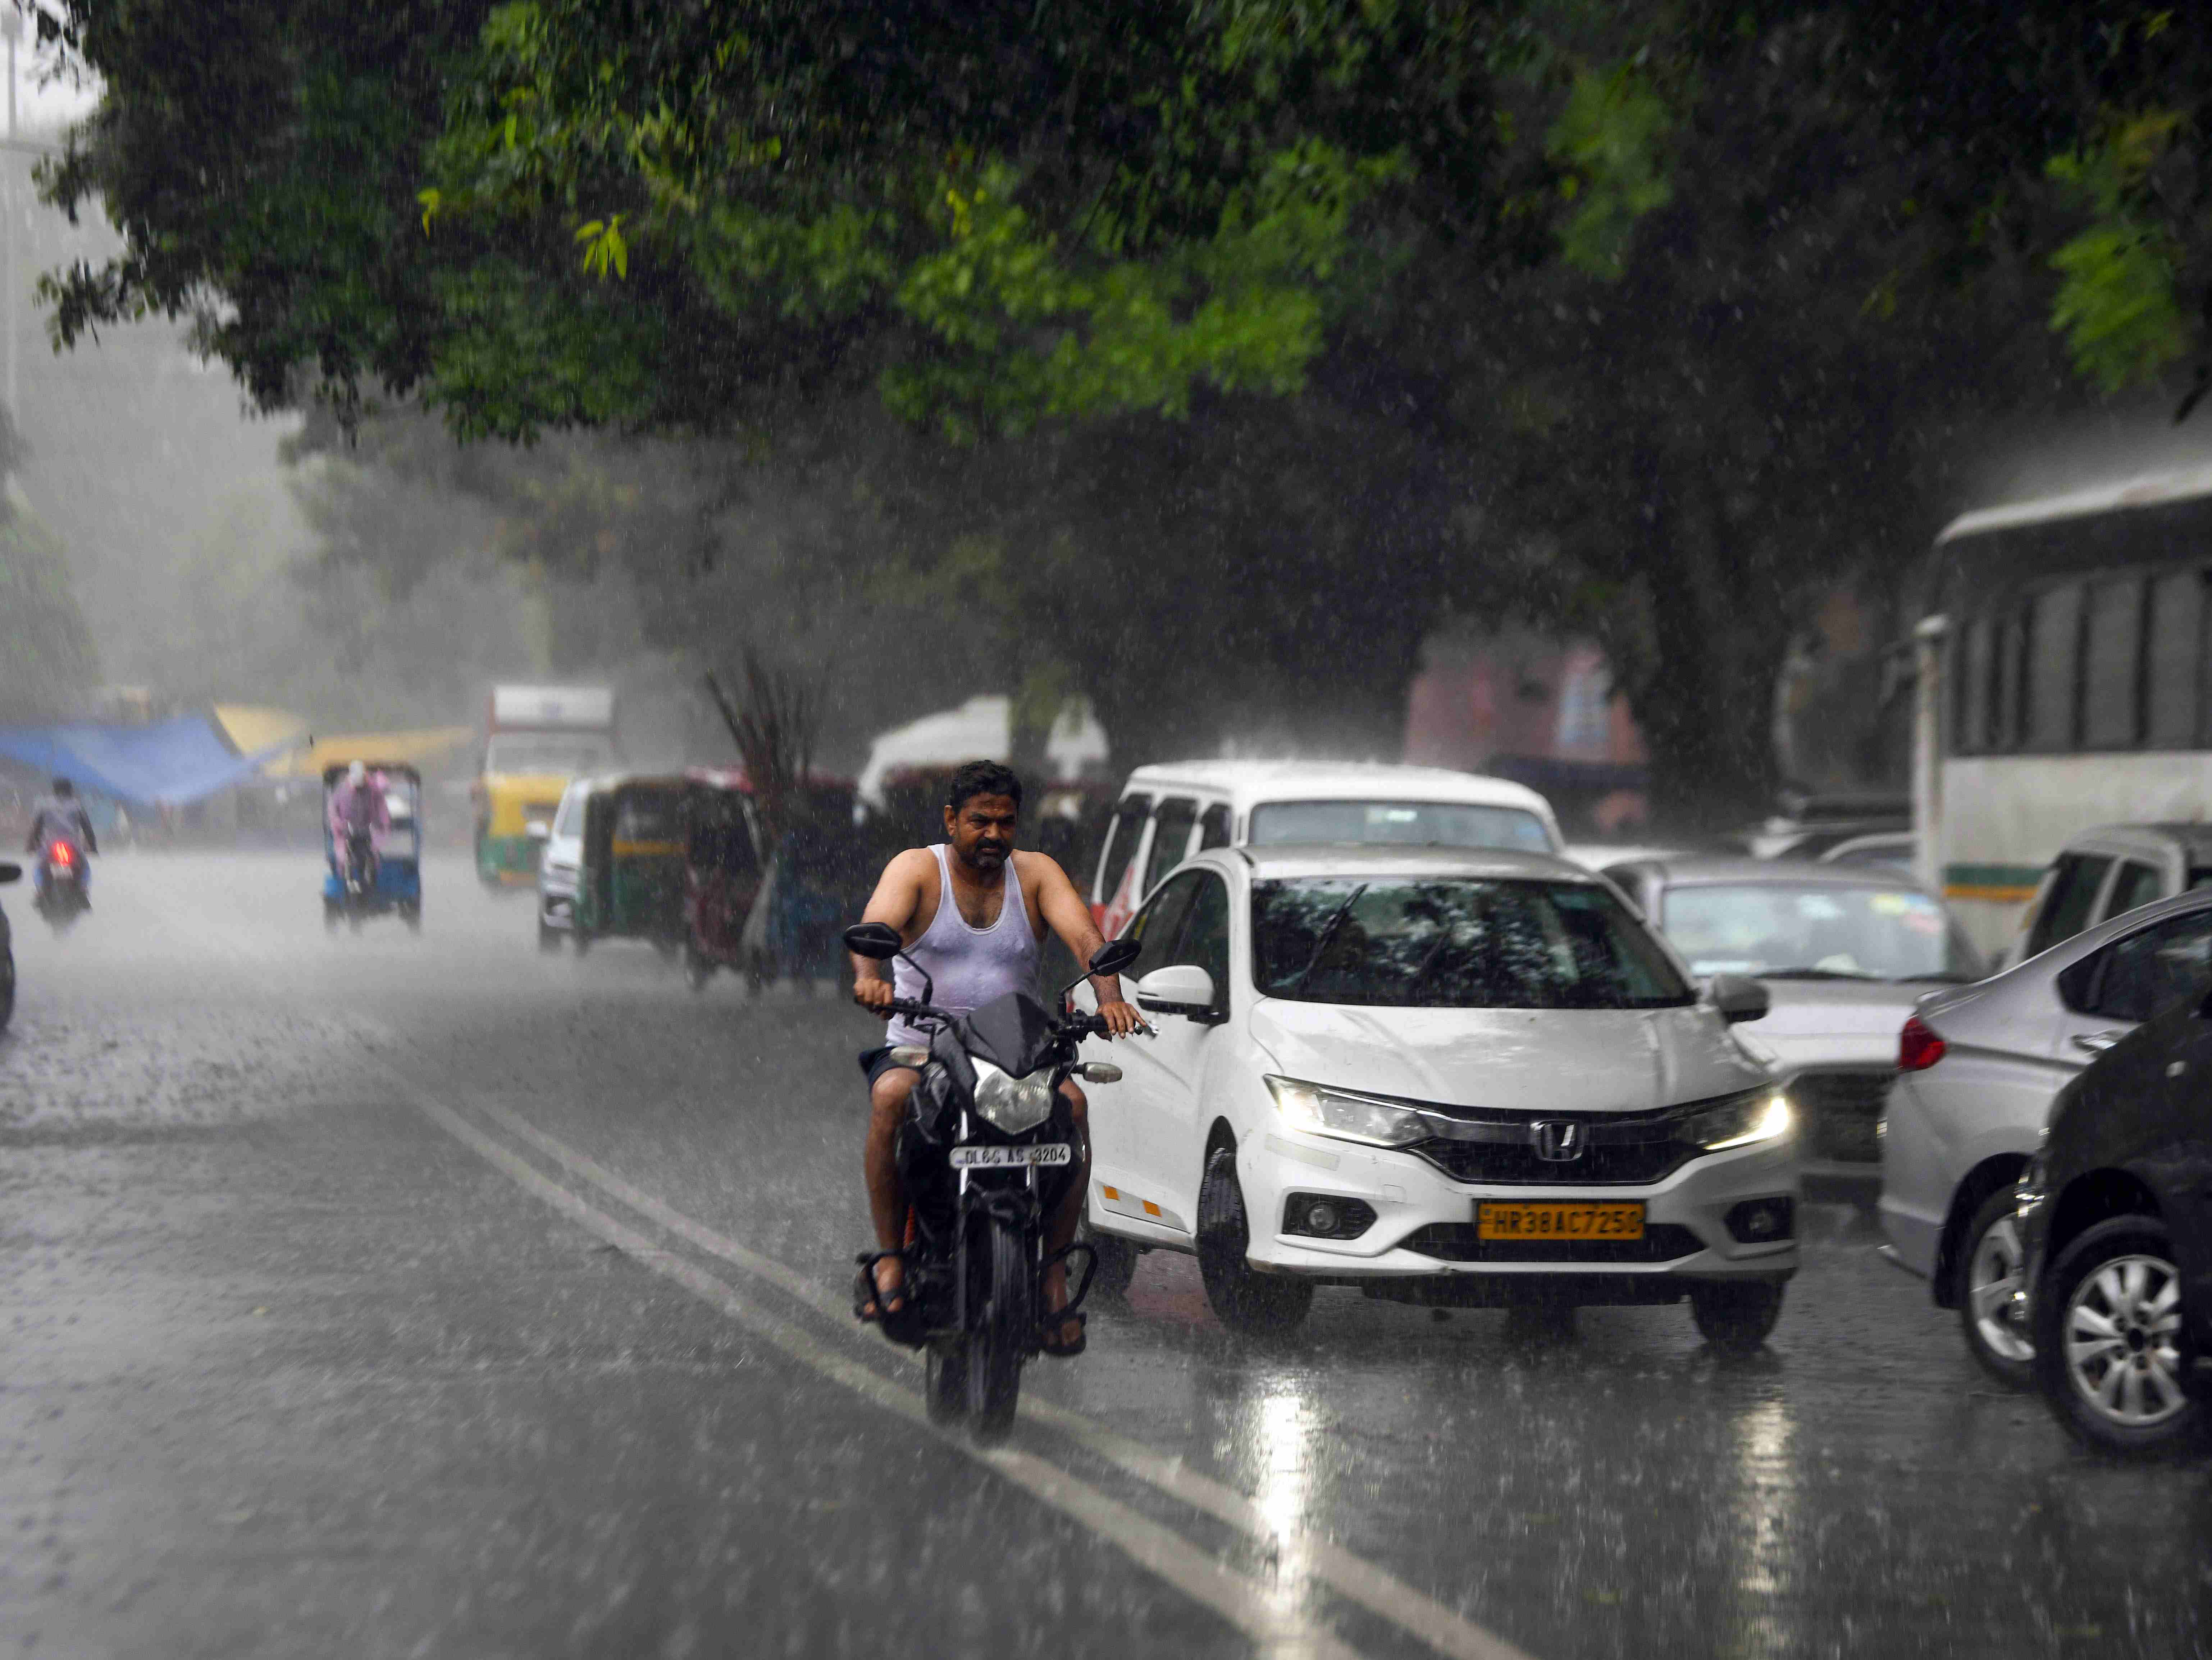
pixel 902 1321
pixel 1050 1340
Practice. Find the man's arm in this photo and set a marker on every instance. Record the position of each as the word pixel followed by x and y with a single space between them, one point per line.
pixel 1063 909
pixel 897 898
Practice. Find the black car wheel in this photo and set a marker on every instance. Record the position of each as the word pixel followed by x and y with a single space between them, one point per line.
pixel 2109 1351
pixel 1991 1262
pixel 1116 1262
pixel 1250 1303
pixel 1735 1317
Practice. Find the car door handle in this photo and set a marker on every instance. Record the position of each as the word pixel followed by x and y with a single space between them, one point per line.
pixel 2096 1042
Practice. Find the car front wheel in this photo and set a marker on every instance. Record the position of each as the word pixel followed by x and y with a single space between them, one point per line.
pixel 1736 1316
pixel 1989 1283
pixel 1250 1303
pixel 2109 1347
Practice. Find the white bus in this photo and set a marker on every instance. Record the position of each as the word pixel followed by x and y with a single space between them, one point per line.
pixel 2063 686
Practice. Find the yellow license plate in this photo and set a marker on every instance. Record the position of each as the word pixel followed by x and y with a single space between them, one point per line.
pixel 1503 1221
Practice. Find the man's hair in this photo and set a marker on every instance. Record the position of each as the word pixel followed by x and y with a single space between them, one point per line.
pixel 981 778
pixel 62 786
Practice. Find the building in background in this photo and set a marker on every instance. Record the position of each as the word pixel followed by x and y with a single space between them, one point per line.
pixel 1519 704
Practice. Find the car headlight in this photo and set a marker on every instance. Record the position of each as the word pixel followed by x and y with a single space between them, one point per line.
pixel 1012 1104
pixel 1323 1112
pixel 1762 1115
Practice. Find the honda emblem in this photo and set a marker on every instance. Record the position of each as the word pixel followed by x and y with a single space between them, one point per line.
pixel 1559 1140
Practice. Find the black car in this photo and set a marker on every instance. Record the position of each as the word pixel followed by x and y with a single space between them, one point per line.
pixel 2116 1222
pixel 7 873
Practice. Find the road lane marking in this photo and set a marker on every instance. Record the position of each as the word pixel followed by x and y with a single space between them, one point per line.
pixel 1373 1588
pixel 1281 1633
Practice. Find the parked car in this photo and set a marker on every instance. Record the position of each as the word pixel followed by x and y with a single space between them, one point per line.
pixel 8 872
pixel 559 867
pixel 1169 811
pixel 2110 871
pixel 1979 1068
pixel 1806 826
pixel 1843 954
pixel 1448 1077
pixel 2119 1236
pixel 1890 851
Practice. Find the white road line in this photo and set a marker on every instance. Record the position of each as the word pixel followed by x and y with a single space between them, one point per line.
pixel 1281 1632
pixel 1353 1577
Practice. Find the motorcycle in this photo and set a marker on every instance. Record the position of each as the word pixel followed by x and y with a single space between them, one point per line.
pixel 62 897
pixel 984 1121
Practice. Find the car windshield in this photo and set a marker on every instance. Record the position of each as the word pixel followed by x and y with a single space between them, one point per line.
pixel 556 755
pixel 1457 942
pixel 1411 823
pixel 1815 930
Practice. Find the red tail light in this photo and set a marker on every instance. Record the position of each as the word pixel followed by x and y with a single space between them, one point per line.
pixel 60 854
pixel 1919 1045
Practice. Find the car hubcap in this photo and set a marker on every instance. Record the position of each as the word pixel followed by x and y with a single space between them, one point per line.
pixel 2123 1331
pixel 1993 1289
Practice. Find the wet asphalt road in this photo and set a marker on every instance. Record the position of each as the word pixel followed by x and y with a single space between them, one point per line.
pixel 422 1296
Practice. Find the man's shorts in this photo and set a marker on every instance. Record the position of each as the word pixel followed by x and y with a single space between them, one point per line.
pixel 876 1062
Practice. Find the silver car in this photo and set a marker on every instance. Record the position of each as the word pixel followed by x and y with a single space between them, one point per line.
pixel 1843 954
pixel 1979 1067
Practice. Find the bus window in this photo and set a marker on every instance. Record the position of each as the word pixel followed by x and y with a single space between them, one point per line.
pixel 2066 908
pixel 2135 884
pixel 2177 623
pixel 2114 641
pixel 1974 690
pixel 1214 827
pixel 2054 654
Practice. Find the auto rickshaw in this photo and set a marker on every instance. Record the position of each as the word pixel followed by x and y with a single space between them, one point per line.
pixel 630 882
pixel 723 871
pixel 393 878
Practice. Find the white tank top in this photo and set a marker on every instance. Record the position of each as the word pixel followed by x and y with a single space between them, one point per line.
pixel 970 966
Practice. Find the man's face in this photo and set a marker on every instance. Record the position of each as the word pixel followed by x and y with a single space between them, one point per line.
pixel 981 832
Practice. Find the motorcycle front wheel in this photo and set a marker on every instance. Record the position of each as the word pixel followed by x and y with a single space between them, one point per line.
pixel 944 1390
pixel 998 1332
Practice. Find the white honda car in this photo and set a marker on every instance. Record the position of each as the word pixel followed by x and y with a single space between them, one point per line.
pixel 1450 1077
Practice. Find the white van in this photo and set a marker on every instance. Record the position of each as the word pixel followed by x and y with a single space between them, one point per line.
pixel 1169 811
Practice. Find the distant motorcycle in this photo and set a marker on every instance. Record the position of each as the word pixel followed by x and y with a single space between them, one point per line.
pixel 62 898
pixel 985 1118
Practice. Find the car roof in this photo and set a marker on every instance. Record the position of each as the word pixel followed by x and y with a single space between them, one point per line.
pixel 1247 783
pixel 2195 839
pixel 1708 870
pixel 1358 859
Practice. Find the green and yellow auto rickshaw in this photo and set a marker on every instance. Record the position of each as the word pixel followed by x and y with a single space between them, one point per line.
pixel 630 884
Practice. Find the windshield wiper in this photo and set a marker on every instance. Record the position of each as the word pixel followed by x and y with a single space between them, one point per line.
pixel 1815 974
pixel 1327 933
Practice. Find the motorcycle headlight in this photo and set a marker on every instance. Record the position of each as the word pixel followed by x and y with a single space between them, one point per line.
pixel 1762 1115
pixel 1323 1112
pixel 1012 1105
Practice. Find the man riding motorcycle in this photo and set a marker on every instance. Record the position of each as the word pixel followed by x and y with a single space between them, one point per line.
pixel 357 812
pixel 970 912
pixel 61 817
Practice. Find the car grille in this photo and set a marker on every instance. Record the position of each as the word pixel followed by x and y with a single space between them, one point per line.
pixel 1623 1149
pixel 1457 1241
pixel 1840 1110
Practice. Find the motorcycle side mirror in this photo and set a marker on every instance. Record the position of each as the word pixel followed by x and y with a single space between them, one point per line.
pixel 1738 998
pixel 10 873
pixel 878 942
pixel 1113 956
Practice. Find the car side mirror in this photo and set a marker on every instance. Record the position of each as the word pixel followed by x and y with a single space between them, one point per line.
pixel 878 941
pixel 1178 988
pixel 10 873
pixel 1738 998
pixel 536 830
pixel 1113 956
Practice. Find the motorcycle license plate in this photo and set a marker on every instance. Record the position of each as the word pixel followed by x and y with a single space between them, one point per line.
pixel 982 1157
pixel 1497 1221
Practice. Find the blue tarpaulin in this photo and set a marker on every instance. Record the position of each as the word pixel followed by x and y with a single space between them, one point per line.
pixel 168 763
